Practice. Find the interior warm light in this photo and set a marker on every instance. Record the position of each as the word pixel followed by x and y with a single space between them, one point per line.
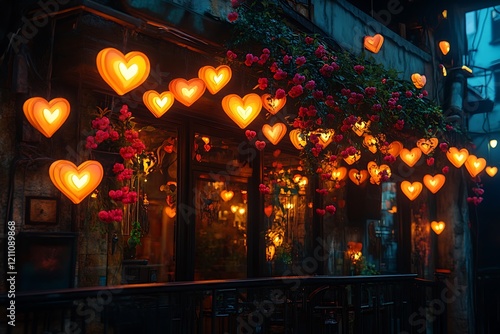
pixel 47 117
pixel 360 127
pixel 270 250
pixel 241 210
pixel 206 140
pixel 274 133
pixel 158 103
pixel 438 227
pixel 418 80
pixel 358 176
pixel 373 43
pixel 242 110
pixel 215 78
pixel 393 148
pixel 122 72
pixel 444 71
pixel 444 46
pixel 234 208
pixel 226 195
pixel 411 190
pixel 272 104
pixel 445 14
pixel 370 143
pixel 457 157
pixel 298 139
pixel 434 183
pixel 475 165
pixel 493 143
pixel 338 173
pixel 410 157
pixel 76 182
pixel 491 171
pixel 187 92
pixel 427 145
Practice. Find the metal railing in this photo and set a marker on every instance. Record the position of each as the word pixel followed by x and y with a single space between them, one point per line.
pixel 305 304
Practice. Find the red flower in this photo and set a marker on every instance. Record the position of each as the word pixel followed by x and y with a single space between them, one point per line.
pixel 231 55
pixel 430 161
pixel 262 83
pixel 321 212
pixel 309 40
pixel 331 209
pixel 399 124
pixel 280 93
pixel 445 169
pixel 232 16
pixel 300 61
pixel 359 69
pixel 295 91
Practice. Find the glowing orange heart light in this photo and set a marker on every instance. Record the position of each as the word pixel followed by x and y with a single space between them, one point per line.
pixel 427 145
pixel 434 183
pixel 360 127
pixel 272 104
pixel 46 117
pixel 358 176
pixel 215 78
pixel 475 165
pixel 122 72
pixel 187 92
pixel 325 136
pixel 226 195
pixel 438 227
pixel 268 210
pixel 393 148
pixel 158 103
pixel 370 143
pixel 457 157
pixel 491 171
pixel 418 80
pixel 376 172
pixel 170 212
pixel 242 110
pixel 298 139
pixel 411 190
pixel 338 173
pixel 76 182
pixel 374 43
pixel 274 133
pixel 444 46
pixel 410 157
pixel 350 159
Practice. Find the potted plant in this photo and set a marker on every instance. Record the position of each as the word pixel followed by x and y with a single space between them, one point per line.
pixel 133 240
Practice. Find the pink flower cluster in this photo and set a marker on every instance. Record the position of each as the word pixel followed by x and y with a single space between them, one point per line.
pixel 115 215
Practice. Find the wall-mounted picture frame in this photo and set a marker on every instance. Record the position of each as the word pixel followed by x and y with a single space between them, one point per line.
pixel 41 210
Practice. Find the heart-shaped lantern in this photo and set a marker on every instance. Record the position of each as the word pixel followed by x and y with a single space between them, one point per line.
pixel 376 172
pixel 325 137
pixel 457 157
pixel 411 190
pixel 170 212
pixel 373 43
pixel 215 78
pixel 438 227
pixel 418 80
pixel 370 143
pixel 242 110
pixel 360 127
pixel 47 117
pixel 358 176
pixel 410 157
pixel 298 139
pixel 268 210
pixel 350 159
pixel 491 171
pixel 226 195
pixel 272 104
pixel 274 133
pixel 444 46
pixel 187 92
pixel 339 173
pixel 475 165
pixel 76 182
pixel 122 72
pixel 393 148
pixel 434 183
pixel 427 145
pixel 158 103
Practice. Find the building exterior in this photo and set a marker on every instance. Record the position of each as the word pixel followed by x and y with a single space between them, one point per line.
pixel 201 196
